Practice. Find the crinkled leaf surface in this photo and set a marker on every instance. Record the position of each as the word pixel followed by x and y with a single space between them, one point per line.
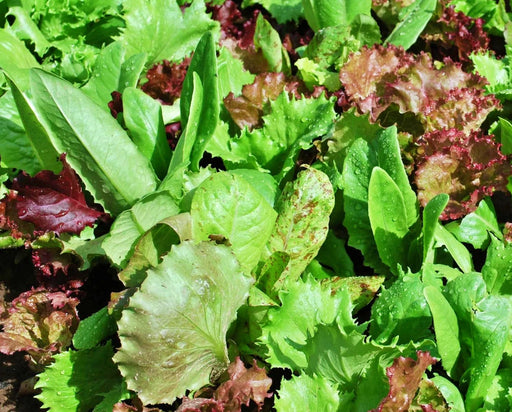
pixel 79 380
pixel 39 322
pixel 227 205
pixel 307 393
pixel 303 221
pixel 305 304
pixel 162 30
pixel 291 126
pixel 404 379
pixel 91 137
pixel 174 329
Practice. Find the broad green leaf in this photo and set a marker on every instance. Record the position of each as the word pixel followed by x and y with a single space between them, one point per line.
pixel 131 224
pixel 173 333
pixel 227 205
pixel 362 289
pixel 490 332
pixel 325 13
pixel 446 327
pixel 305 304
pixel 204 63
pixel 497 270
pixel 401 311
pixel 113 72
pixel 388 219
pixel 34 143
pixel 79 380
pixel 361 158
pixel 153 245
pixel 464 293
pixel 302 223
pixel 15 59
pixel 94 329
pixel 450 392
pixel 333 254
pixel 143 118
pixel 267 39
pixel 414 20
pixel 162 30
pixel 305 393
pixel 281 10
pixel 264 183
pixel 91 138
pixel 431 214
pixel 476 226
pixel 503 133
pixel 15 146
pixel 199 105
pixel 232 75
pixel 456 249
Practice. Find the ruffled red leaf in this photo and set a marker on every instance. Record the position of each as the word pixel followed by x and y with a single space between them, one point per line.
pixel 244 385
pixel 467 167
pixel 39 322
pixel 457 35
pixel 53 202
pixel 404 378
pixel 165 80
pixel 378 77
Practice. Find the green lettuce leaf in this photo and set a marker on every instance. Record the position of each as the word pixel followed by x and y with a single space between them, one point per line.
pixel 80 380
pixel 131 224
pixel 80 128
pixel 277 144
pixel 401 311
pixel 305 305
pixel 173 333
pixel 383 151
pixel 162 30
pixel 113 71
pixel 302 223
pixel 324 13
pixel 497 271
pixel 227 205
pixel 413 20
pixel 143 117
pixel 281 10
pixel 307 393
pixel 476 227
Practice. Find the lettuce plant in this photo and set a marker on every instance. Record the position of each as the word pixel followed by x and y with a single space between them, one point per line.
pixel 287 205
